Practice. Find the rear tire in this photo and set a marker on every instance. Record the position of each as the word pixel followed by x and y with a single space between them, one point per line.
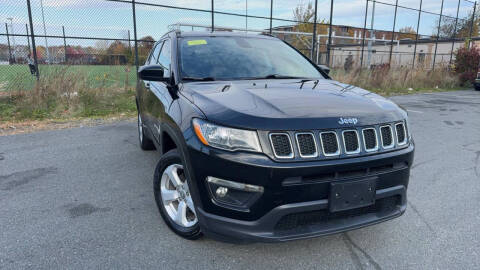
pixel 145 142
pixel 173 198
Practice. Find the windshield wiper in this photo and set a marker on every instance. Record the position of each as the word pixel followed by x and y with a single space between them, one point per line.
pixel 274 76
pixel 198 79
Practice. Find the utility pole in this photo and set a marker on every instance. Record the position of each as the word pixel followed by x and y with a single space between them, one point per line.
pixel 10 60
pixel 64 46
pixel 246 16
pixel 473 22
pixel 45 33
pixel 372 37
pixel 314 37
pixel 14 54
pixel 135 34
pixel 271 15
pixel 213 15
pixel 28 38
pixel 34 48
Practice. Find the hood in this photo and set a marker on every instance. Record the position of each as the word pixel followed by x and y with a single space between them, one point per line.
pixel 289 104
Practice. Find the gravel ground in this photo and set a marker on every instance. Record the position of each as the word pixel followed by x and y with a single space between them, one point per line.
pixel 81 198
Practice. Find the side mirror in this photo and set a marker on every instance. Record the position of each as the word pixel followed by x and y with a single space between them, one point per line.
pixel 152 73
pixel 324 68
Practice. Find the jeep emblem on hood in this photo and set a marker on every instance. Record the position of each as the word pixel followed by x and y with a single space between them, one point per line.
pixel 344 121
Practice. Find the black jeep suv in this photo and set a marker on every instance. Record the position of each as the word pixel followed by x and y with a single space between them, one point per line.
pixel 257 143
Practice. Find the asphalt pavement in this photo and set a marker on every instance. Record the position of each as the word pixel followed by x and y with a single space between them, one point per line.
pixel 82 199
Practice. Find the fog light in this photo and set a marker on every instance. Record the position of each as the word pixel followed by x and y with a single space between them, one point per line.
pixel 232 194
pixel 221 192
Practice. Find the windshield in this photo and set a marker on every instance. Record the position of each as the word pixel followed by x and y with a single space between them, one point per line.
pixel 217 58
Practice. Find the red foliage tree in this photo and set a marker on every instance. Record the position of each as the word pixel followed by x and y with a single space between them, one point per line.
pixel 467 61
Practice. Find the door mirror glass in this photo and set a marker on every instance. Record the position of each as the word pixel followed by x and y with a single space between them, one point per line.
pixel 152 73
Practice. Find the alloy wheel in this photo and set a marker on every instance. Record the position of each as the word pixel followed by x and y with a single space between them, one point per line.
pixel 176 197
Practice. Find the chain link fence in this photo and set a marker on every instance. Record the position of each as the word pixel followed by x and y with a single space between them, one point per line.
pixel 109 39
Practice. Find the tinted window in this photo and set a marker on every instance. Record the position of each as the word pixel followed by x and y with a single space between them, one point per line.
pixel 165 58
pixel 241 57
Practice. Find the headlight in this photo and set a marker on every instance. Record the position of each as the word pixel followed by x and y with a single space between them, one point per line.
pixel 230 139
pixel 408 127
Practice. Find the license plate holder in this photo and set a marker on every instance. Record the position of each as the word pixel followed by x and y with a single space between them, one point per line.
pixel 352 194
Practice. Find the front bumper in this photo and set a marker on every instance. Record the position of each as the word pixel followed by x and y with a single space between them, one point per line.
pixel 314 218
pixel 295 202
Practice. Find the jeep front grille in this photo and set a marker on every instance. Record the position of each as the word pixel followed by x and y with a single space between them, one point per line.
pixel 401 136
pixel 281 144
pixel 307 146
pixel 337 143
pixel 330 143
pixel 350 142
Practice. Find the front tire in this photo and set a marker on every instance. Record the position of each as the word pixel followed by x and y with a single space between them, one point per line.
pixel 173 198
pixel 145 142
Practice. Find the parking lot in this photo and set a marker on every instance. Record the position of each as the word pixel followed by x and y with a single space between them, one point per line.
pixel 82 199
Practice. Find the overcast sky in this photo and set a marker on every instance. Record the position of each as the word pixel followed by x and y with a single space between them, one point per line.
pixel 100 18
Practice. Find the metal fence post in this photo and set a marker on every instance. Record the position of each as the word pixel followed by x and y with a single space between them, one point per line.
pixel 393 33
pixel 416 36
pixel 129 42
pixel 28 38
pixel 438 36
pixel 8 44
pixel 35 59
pixel 135 34
pixel 454 33
pixel 363 34
pixel 271 15
pixel 329 33
pixel 64 44
pixel 213 15
pixel 473 21
pixel 314 36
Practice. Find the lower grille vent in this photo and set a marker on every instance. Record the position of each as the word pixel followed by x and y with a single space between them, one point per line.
pixel 305 220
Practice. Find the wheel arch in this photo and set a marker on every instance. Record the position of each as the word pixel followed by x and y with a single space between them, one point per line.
pixel 176 136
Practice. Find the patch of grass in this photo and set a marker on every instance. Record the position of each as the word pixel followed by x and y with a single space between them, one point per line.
pixel 64 93
pixel 387 82
pixel 18 77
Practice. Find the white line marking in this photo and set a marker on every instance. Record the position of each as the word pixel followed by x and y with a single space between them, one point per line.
pixel 414 111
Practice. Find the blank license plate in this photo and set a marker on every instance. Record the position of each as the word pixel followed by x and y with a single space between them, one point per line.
pixel 350 195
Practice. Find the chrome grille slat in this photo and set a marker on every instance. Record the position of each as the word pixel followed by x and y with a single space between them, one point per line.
pixel 307 146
